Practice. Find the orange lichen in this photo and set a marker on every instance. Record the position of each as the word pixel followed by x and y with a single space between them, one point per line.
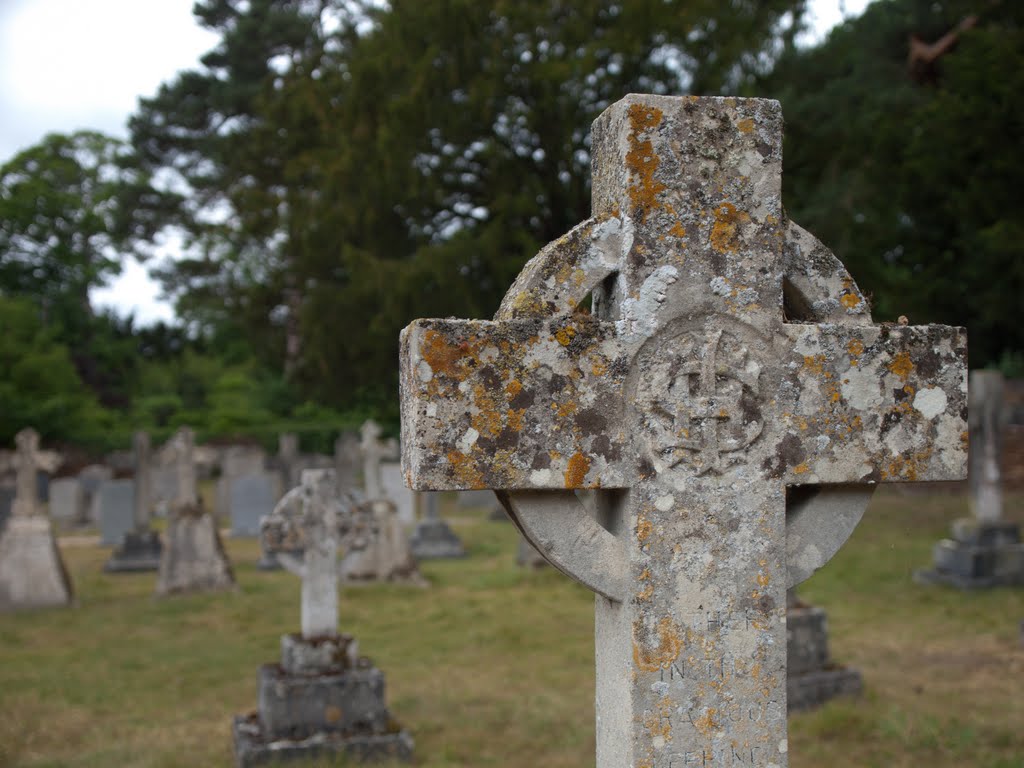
pixel 513 388
pixel 579 465
pixel 801 468
pixel 706 723
pixel 644 529
pixel 725 236
pixel 816 365
pixel 902 365
pixel 645 594
pixel 565 335
pixel 855 349
pixel 466 471
pixel 677 230
pixel 440 355
pixel 849 300
pixel 515 418
pixel 664 653
pixel 746 125
pixel 642 161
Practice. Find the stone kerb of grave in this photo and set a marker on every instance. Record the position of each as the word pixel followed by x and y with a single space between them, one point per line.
pixel 729 357
pixel 324 698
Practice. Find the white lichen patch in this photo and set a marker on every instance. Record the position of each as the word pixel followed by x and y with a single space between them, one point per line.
pixel 930 402
pixel 861 388
pixel 664 503
pixel 424 372
pixel 467 441
pixel 540 477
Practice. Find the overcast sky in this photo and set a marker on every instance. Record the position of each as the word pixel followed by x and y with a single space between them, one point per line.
pixel 72 64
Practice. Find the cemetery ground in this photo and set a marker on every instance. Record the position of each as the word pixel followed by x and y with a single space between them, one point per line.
pixel 493 665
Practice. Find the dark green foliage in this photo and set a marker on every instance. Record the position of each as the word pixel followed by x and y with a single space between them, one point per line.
pixel 915 181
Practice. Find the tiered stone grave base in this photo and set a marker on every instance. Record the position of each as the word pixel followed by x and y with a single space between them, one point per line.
pixel 813 678
pixel 434 540
pixel 322 701
pixel 979 556
pixel 193 559
pixel 138 552
pixel 32 574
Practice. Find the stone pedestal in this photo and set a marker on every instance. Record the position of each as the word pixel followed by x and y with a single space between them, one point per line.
pixel 323 702
pixel 813 677
pixel 137 552
pixel 32 574
pixel 434 540
pixel 193 559
pixel 978 556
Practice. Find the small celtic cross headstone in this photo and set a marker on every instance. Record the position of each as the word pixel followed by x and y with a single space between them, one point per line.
pixel 729 361
pixel 316 519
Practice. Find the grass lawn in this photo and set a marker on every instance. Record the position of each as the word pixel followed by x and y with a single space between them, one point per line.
pixel 493 665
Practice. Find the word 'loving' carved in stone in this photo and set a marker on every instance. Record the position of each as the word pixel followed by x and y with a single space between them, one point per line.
pixel 729 361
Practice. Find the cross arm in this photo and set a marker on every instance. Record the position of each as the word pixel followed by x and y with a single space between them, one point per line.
pixel 875 403
pixel 520 404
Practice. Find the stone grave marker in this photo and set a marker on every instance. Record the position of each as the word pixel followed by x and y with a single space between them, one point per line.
pixel 288 458
pixel 347 460
pixel 986 549
pixel 193 557
pixel 32 574
pixel 140 547
pixel 252 497
pixel 393 488
pixel 729 357
pixel 7 495
pixel 373 453
pixel 115 504
pixel 433 539
pixel 323 699
pixel 236 461
pixel 91 477
pixel 66 501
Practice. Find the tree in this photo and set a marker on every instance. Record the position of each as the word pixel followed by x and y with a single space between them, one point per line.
pixel 914 180
pixel 372 163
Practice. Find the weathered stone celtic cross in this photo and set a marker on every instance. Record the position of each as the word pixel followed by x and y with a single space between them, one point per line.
pixel 729 359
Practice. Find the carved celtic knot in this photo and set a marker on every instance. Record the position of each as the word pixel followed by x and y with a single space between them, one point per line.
pixel 697 394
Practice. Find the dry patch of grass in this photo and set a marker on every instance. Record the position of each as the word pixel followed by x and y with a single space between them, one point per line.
pixel 493 665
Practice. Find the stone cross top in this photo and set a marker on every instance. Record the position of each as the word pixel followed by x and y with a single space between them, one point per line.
pixel 26 498
pixel 316 518
pixel 143 482
pixel 729 362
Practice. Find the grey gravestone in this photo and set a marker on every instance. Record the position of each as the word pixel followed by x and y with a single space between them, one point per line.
pixel 193 557
pixel 433 539
pixel 394 488
pixel 373 453
pixel 252 497
pixel 729 356
pixel 43 486
pixel 32 574
pixel 347 460
pixel 236 461
pixel 812 676
pixel 91 477
pixel 323 699
pixel 985 550
pixel 140 548
pixel 115 503
pixel 66 500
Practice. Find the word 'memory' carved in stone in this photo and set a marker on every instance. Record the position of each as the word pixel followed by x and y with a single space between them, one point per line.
pixel 729 396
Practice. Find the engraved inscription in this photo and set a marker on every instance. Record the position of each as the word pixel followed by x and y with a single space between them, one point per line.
pixel 697 392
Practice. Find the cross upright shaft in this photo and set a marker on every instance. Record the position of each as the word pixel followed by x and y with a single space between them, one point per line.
pixel 689 392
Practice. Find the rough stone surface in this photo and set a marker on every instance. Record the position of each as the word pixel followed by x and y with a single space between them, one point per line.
pixel 729 357
pixel 433 539
pixel 384 555
pixel 985 550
